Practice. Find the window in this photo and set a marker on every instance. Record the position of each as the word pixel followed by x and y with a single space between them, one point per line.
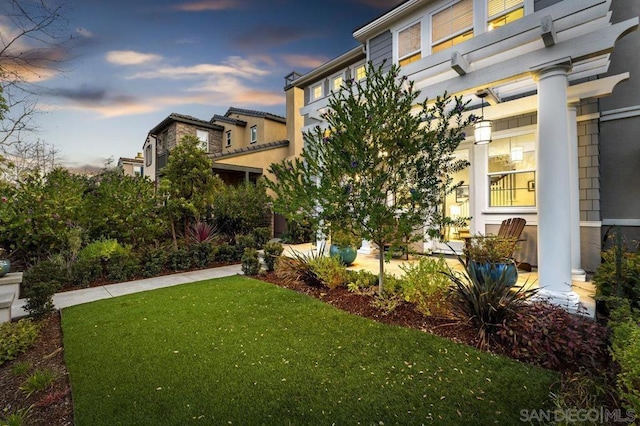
pixel 148 155
pixel 501 12
pixel 452 25
pixel 203 137
pixel 409 44
pixel 228 138
pixel 254 134
pixel 316 92
pixel 512 172
pixel 361 72
pixel 137 170
pixel 336 83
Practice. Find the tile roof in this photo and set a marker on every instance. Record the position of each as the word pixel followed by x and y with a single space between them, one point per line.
pixel 252 148
pixel 254 113
pixel 182 118
pixel 226 119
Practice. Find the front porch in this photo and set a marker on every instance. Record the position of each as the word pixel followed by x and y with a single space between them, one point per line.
pixel 369 262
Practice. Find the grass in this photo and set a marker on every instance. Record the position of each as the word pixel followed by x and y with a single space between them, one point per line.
pixel 239 351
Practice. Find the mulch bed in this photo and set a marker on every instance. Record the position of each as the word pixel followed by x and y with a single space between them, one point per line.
pixel 54 406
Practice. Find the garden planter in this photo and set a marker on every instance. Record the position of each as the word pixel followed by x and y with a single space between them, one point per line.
pixel 5 267
pixel 347 254
pixel 495 271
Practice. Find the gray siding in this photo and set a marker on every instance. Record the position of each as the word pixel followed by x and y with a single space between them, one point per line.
pixel 541 4
pixel 381 49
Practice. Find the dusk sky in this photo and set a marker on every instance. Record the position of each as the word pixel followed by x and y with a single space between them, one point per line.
pixel 134 62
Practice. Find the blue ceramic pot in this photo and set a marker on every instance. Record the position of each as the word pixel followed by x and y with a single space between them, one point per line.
pixel 5 267
pixel 346 254
pixel 496 271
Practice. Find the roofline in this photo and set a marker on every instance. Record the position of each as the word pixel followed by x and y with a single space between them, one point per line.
pixel 256 113
pixel 225 119
pixel 373 27
pixel 250 149
pixel 183 119
pixel 329 67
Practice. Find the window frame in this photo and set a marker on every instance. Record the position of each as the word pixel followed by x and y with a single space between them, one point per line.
pixel 204 144
pixel 148 154
pixel 312 90
pixel 414 55
pixel 434 44
pixel 359 66
pixel 333 79
pixel 253 134
pixel 227 136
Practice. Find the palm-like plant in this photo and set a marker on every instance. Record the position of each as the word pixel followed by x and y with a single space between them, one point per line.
pixel 202 232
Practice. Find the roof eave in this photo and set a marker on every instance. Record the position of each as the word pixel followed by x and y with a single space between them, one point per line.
pixel 329 67
pixel 374 27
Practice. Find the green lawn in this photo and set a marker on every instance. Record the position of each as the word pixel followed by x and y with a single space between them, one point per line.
pixel 240 351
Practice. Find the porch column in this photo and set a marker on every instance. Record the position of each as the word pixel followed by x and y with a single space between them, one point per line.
pixel 553 188
pixel 577 273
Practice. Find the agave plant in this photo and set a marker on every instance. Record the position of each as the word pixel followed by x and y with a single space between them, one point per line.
pixel 299 267
pixel 486 303
pixel 202 232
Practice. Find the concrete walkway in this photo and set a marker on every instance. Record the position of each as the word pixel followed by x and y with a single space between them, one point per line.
pixel 85 295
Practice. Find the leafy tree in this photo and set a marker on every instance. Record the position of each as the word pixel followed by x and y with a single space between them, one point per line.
pixel 238 210
pixel 188 185
pixel 122 207
pixel 382 165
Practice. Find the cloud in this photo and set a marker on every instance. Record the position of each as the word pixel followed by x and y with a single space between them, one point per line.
pixel 233 65
pixel 130 57
pixel 80 94
pixel 304 61
pixel 84 33
pixel 208 5
pixel 265 36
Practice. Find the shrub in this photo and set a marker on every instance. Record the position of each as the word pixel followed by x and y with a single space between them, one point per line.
pixel 243 242
pixel 224 252
pixel 179 259
pixel 85 271
pixel 201 232
pixel 38 381
pixel 152 261
pixel 261 235
pixel 298 232
pixel 122 266
pixel 549 336
pixel 489 248
pixel 16 338
pixel 53 269
pixel 330 270
pixel 250 262
pixel 486 303
pixel 241 209
pixel 426 285
pixel 298 268
pixel 361 281
pixel 93 261
pixel 606 277
pixel 202 254
pixel 625 350
pixel 271 252
pixel 41 282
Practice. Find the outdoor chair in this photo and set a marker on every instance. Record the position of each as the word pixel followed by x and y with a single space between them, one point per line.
pixel 511 229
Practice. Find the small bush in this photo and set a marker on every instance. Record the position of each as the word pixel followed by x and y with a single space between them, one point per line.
pixel 261 235
pixel 152 261
pixel 20 368
pixel 549 336
pixel 330 271
pixel 202 254
pixel 224 252
pixel 606 277
pixel 38 381
pixel 85 271
pixel 202 232
pixel 179 260
pixel 361 281
pixel 299 268
pixel 250 262
pixel 426 285
pixel 243 242
pixel 122 266
pixel 271 252
pixel 387 303
pixel 298 232
pixel 16 338
pixel 625 350
pixel 93 261
pixel 41 282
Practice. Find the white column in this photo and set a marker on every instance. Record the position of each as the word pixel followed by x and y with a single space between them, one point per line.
pixel 366 247
pixel 577 273
pixel 553 190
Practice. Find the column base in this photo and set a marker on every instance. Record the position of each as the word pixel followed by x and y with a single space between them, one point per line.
pixel 568 300
pixel 578 275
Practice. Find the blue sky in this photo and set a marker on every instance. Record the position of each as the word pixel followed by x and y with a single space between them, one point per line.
pixel 134 62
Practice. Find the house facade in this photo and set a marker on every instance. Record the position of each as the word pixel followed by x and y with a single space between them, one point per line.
pixel 132 166
pixel 552 76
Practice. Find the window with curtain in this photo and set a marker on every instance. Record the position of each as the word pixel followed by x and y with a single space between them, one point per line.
pixel 452 25
pixel 502 12
pixel 410 44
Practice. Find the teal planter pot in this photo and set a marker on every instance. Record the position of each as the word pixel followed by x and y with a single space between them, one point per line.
pixel 5 267
pixel 346 254
pixel 496 271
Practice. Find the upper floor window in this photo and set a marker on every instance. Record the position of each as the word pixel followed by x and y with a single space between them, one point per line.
pixel 203 137
pixel 409 44
pixel 361 72
pixel 148 155
pixel 137 170
pixel 512 172
pixel 452 25
pixel 501 12
pixel 227 137
pixel 336 83
pixel 317 92
pixel 254 134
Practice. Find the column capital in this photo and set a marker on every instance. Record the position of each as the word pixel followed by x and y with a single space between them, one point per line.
pixel 547 69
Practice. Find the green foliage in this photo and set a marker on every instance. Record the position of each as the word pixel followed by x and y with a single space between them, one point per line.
pixel 202 232
pixel 376 144
pixel 549 336
pixel 342 237
pixel 330 270
pixel 104 258
pixel 19 418
pixel 86 270
pixel 425 284
pixel 152 261
pixel 41 282
pixel 39 380
pixel 606 278
pixel 361 281
pixel 16 338
pixel 250 261
pixel 272 251
pixel 261 234
pixel 387 302
pixel 179 259
pixel 122 265
pixel 225 252
pixel 489 248
pixel 245 241
pixel 298 231
pixel 241 209
pixel 299 268
pixel 486 303
pixel 126 208
pixel 20 368
pixel 188 187
pixel 202 254
pixel 625 350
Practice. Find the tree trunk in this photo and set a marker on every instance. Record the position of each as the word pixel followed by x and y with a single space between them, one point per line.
pixel 173 234
pixel 381 267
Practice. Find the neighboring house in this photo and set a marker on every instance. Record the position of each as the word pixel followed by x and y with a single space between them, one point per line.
pixel 132 166
pixel 560 157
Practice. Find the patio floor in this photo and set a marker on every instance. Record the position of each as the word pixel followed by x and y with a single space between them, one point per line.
pixel 369 262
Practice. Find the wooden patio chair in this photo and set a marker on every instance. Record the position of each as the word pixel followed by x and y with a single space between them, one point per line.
pixel 510 228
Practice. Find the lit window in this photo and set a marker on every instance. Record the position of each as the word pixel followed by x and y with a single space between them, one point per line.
pixel 409 44
pixel 254 134
pixel 452 25
pixel 137 170
pixel 336 83
pixel 316 92
pixel 502 12
pixel 361 72
pixel 203 137
pixel 228 138
pixel 512 172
